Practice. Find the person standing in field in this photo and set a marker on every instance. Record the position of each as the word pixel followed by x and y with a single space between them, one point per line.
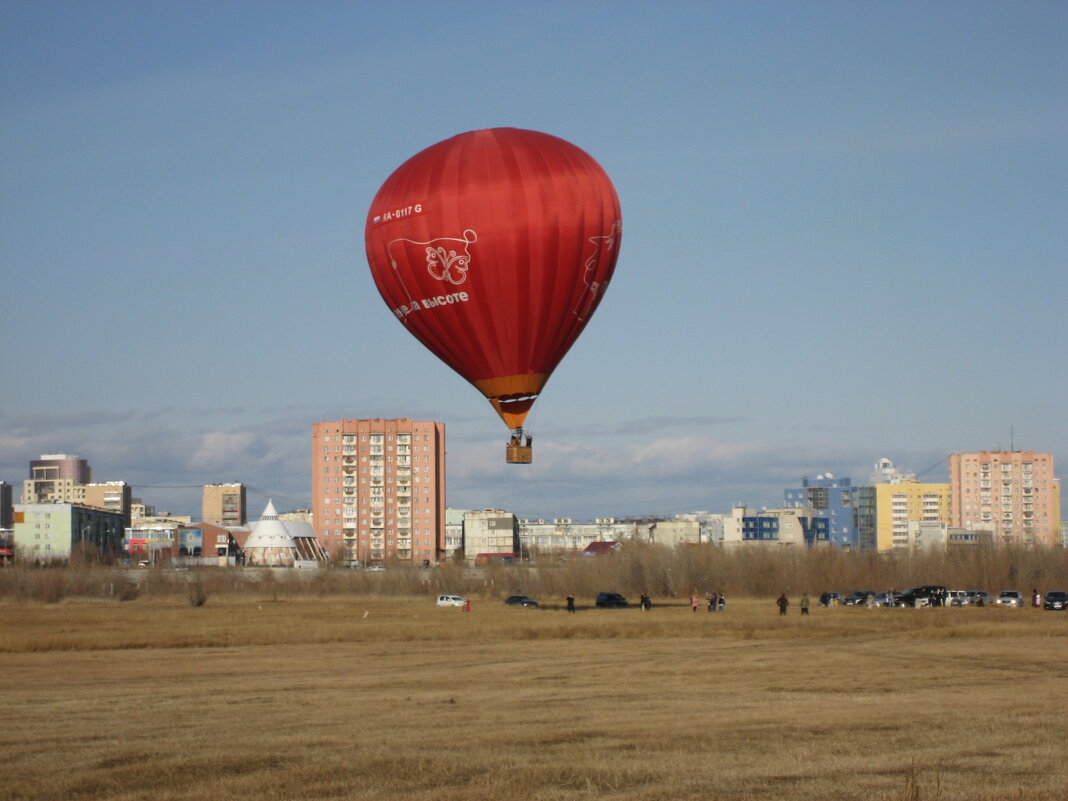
pixel 783 602
pixel 804 604
pixel 1036 598
pixel 571 604
pixel 695 601
pixel 713 602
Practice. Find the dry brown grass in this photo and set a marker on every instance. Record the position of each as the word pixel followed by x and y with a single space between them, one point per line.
pixel 272 696
pixel 661 572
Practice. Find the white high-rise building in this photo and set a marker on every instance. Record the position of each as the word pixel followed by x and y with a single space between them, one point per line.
pixel 887 473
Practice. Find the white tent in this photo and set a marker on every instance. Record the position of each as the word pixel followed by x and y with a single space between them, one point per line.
pixel 277 543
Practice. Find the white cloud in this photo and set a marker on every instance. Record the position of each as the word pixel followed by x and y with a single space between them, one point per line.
pixel 222 448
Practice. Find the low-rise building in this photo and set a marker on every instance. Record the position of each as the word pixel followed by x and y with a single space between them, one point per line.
pixel 564 535
pixel 674 532
pixel 208 544
pixel 278 543
pixel 490 532
pixel 711 525
pixel 926 535
pixel 454 533
pixel 154 544
pixel 793 526
pixel 7 547
pixel 45 532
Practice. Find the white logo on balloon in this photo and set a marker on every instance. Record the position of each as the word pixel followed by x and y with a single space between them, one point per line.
pixel 602 246
pixel 444 261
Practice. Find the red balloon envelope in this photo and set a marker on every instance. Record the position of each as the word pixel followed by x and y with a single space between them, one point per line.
pixel 494 248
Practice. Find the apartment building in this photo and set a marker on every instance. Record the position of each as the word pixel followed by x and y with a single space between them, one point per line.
pixel 899 505
pixel 674 532
pixel 1014 494
pixel 562 534
pixel 832 498
pixel 224 505
pixel 490 533
pixel 114 496
pixel 45 532
pixel 65 478
pixel 53 478
pixel 378 489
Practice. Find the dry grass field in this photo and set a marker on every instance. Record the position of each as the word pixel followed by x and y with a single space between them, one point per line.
pixel 348 696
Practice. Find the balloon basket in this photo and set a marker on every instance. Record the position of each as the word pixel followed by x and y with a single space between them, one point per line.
pixel 519 454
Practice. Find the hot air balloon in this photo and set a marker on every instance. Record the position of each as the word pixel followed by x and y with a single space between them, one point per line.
pixel 494 248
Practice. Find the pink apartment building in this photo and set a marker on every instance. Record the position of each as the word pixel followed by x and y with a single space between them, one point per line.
pixel 1014 494
pixel 378 489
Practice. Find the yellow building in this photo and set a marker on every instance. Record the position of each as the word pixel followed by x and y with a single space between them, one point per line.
pixel 115 496
pixel 896 505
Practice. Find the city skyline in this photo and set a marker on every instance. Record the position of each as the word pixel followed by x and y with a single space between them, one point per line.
pixel 842 240
pixel 883 474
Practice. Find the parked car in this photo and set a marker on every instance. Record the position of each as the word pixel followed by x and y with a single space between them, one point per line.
pixel 374 569
pixel 859 598
pixel 611 600
pixel 1056 599
pixel 956 597
pixel 520 600
pixel 830 599
pixel 451 600
pixel 925 595
pixel 885 599
pixel 1012 598
pixel 975 596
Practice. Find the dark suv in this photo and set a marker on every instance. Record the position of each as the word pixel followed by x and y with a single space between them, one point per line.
pixel 611 600
pixel 1056 599
pixel 927 595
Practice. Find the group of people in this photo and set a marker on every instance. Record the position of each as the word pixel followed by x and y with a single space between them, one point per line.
pixel 784 603
pixel 717 601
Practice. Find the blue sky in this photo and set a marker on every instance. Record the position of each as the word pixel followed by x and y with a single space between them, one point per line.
pixel 844 238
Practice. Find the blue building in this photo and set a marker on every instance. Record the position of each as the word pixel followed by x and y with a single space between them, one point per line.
pixel 769 527
pixel 833 498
